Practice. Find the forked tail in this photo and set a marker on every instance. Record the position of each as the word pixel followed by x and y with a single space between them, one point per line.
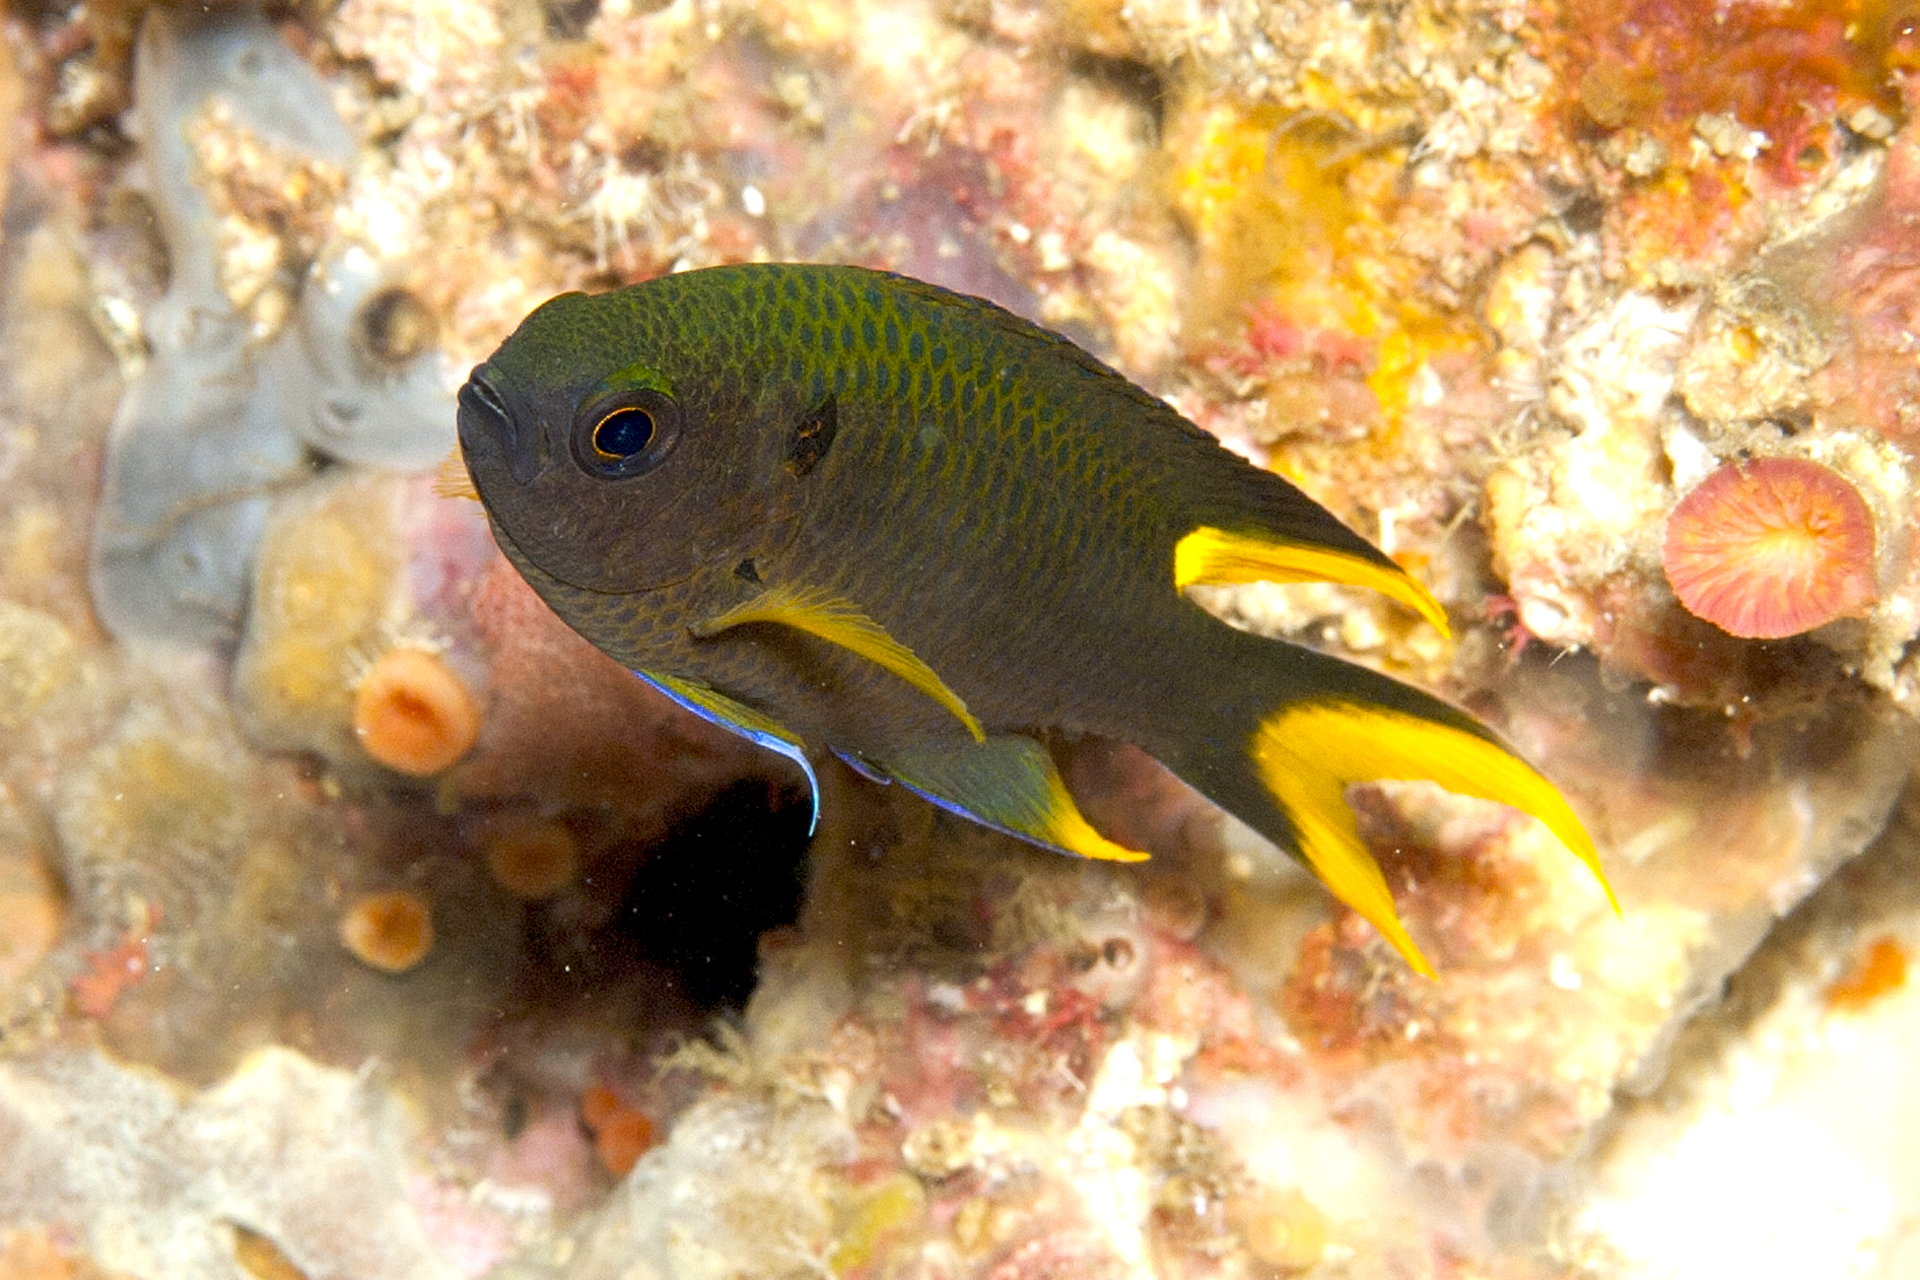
pixel 1304 727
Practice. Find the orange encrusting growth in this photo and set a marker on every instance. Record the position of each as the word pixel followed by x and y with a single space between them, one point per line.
pixel 390 931
pixel 1881 970
pixel 1771 548
pixel 414 714
pixel 1288 235
pixel 621 1134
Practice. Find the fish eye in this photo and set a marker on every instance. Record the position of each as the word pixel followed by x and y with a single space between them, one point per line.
pixel 622 433
pixel 627 433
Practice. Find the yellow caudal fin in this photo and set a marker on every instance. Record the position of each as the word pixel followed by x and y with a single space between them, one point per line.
pixel 1308 753
pixel 1216 557
pixel 839 622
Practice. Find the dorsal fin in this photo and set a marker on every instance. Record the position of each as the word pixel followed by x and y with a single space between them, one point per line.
pixel 1217 557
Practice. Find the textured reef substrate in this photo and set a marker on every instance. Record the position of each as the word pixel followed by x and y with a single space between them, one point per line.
pixel 358 919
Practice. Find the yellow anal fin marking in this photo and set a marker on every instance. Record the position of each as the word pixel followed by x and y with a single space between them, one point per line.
pixel 1308 754
pixel 1008 783
pixel 452 480
pixel 1215 557
pixel 839 622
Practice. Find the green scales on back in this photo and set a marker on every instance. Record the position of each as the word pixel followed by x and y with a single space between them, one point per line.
pixel 832 507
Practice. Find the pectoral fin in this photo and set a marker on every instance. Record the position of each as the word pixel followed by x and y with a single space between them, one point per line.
pixel 452 480
pixel 1217 557
pixel 839 622
pixel 1008 783
pixel 761 730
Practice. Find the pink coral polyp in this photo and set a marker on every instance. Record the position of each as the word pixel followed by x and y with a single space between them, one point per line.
pixel 1771 548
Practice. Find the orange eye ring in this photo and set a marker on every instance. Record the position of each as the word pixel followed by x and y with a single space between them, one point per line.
pixel 627 433
pixel 623 433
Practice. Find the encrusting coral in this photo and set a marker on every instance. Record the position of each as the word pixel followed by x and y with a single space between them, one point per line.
pixel 1771 548
pixel 531 857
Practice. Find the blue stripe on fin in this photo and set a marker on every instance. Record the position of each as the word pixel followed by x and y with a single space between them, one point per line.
pixel 1008 783
pixel 871 772
pixel 762 731
pixel 959 810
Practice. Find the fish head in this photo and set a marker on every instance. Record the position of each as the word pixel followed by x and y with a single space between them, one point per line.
pixel 617 452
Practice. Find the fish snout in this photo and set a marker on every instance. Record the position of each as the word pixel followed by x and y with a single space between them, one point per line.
pixel 489 431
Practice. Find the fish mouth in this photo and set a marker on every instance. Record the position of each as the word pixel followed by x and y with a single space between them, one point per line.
pixel 489 432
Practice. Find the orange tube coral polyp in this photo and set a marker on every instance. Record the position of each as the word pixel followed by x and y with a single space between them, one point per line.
pixel 532 858
pixel 390 931
pixel 1772 548
pixel 414 714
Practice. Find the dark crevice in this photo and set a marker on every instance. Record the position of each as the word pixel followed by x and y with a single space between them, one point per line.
pixel 697 905
pixel 1128 77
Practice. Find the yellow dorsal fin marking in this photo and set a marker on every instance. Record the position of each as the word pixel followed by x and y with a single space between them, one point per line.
pixel 1216 557
pixel 452 480
pixel 838 622
pixel 1308 754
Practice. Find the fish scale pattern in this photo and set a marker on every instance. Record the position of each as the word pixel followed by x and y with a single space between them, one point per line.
pixel 1050 534
pixel 1072 491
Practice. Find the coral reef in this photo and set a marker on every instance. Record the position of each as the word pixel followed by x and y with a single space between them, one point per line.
pixel 413 713
pixel 531 857
pixel 359 919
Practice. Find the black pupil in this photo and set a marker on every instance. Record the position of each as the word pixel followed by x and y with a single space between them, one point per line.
pixel 623 433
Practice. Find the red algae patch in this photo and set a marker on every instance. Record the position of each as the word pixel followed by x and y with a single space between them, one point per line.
pixel 1771 548
pixel 391 931
pixel 414 714
pixel 109 974
pixel 1786 69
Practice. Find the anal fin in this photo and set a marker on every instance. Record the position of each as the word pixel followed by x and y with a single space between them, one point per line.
pixel 1008 783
